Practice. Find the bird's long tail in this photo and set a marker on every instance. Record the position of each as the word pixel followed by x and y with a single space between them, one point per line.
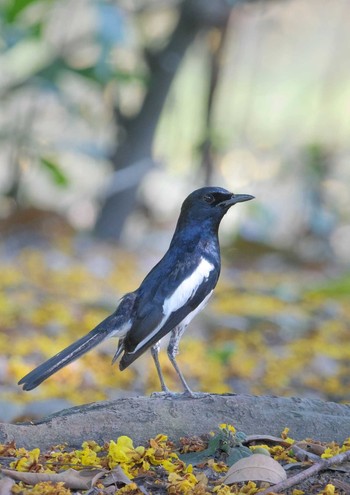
pixel 117 324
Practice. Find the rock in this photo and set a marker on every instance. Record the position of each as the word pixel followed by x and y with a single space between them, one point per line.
pixel 142 418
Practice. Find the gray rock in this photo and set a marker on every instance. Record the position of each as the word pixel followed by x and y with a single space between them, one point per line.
pixel 142 418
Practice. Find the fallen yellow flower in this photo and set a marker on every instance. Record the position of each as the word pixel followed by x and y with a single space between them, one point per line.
pixel 27 462
pixel 181 484
pixel 119 452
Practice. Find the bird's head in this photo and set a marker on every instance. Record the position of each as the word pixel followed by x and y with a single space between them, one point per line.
pixel 211 202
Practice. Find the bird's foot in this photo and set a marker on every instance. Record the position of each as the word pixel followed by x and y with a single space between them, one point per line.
pixel 166 394
pixel 194 395
pixel 187 394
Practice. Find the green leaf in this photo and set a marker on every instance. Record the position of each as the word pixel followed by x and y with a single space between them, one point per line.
pixel 332 288
pixel 56 173
pixel 224 352
pixel 237 453
pixel 224 441
pixel 102 79
pixel 215 442
pixel 15 7
pixel 195 458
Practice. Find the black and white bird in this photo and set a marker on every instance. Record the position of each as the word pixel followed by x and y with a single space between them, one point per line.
pixel 173 292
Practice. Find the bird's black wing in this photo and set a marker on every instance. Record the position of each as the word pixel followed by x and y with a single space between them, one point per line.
pixel 158 315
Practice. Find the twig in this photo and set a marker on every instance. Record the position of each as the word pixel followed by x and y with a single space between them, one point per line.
pixel 302 454
pixel 316 468
pixel 342 485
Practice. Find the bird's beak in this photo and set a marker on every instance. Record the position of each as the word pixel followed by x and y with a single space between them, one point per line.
pixel 236 198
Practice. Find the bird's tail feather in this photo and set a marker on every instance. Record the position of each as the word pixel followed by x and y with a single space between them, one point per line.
pixel 117 324
pixel 67 355
pixel 119 350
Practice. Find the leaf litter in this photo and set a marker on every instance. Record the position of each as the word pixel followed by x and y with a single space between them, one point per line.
pixel 287 335
pixel 160 466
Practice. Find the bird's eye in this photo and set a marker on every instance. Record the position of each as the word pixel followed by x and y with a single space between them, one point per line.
pixel 209 198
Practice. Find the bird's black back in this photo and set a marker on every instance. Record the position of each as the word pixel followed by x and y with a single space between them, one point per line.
pixel 194 244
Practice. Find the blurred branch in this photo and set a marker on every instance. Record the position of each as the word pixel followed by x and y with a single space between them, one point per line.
pixel 140 130
pixel 216 43
pixel 149 5
pixel 23 124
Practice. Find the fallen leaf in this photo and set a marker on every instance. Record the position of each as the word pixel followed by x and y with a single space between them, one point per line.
pixel 5 486
pixel 314 447
pixel 266 438
pixel 342 485
pixel 196 458
pixel 76 480
pixel 261 450
pixel 343 468
pixel 236 454
pixel 257 467
pixel 116 475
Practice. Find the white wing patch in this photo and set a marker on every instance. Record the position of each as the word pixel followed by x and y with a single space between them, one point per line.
pixel 187 288
pixel 180 296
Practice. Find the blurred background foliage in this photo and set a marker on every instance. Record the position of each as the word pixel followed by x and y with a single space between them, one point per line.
pixel 110 113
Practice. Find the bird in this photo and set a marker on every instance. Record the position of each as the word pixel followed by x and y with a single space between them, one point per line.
pixel 174 291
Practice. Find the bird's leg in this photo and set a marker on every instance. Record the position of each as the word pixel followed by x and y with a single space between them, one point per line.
pixel 155 352
pixel 173 349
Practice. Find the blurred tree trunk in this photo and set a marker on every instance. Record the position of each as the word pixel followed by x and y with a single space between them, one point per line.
pixel 133 157
pixel 216 43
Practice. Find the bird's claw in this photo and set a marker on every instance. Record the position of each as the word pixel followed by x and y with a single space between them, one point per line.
pixel 166 394
pixel 187 394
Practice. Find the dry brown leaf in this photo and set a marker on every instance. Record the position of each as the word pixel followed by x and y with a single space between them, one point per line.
pixel 257 467
pixel 5 486
pixel 76 480
pixel 116 475
pixel 343 485
pixel 202 478
pixel 266 438
pixel 313 447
